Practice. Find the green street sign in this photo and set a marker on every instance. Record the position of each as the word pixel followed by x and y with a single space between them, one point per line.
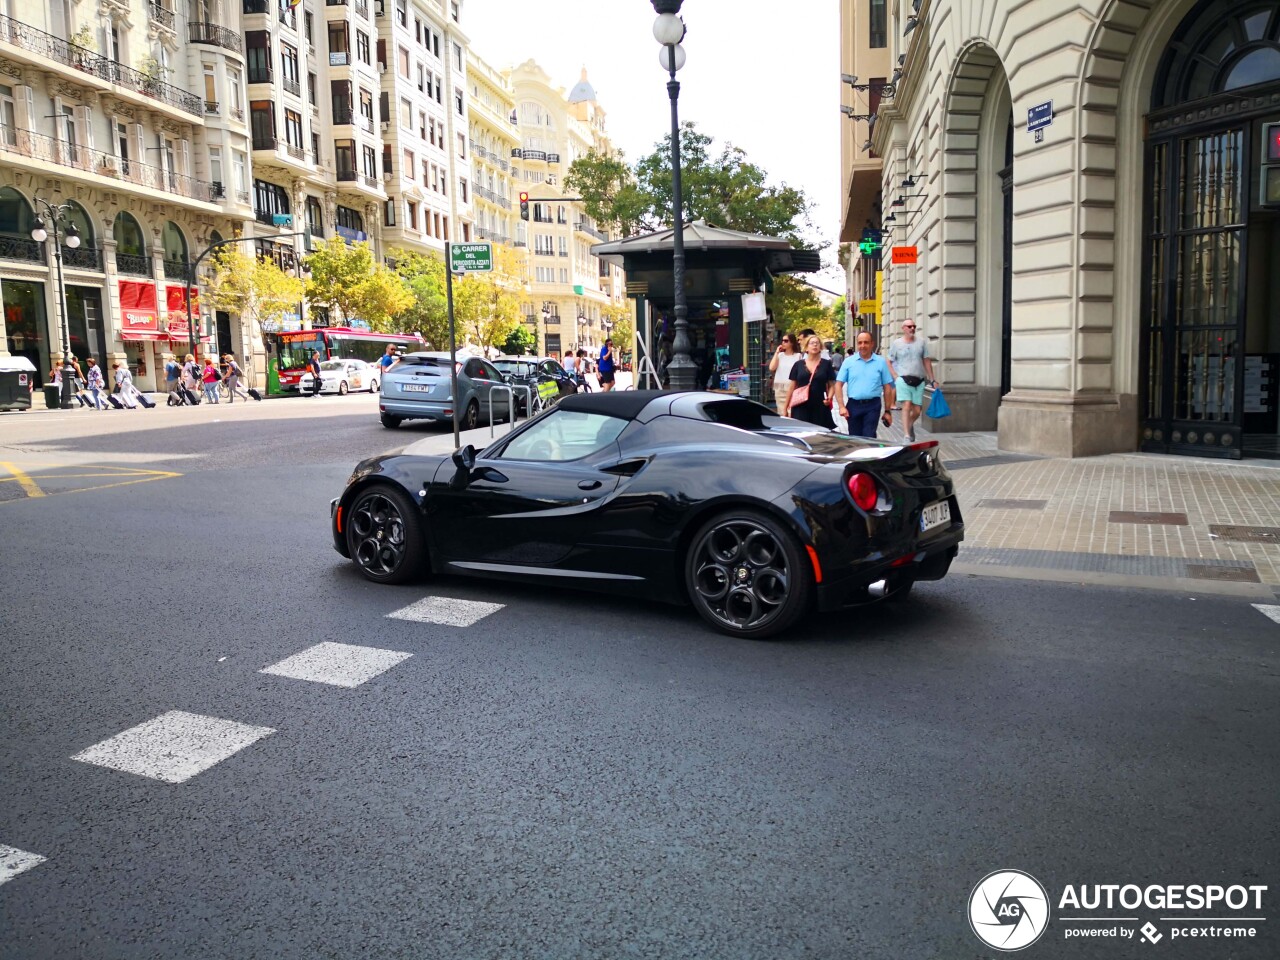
pixel 470 257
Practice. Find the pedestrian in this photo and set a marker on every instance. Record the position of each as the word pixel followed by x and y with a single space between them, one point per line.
pixel 209 378
pixel 909 358
pixel 172 378
pixel 584 367
pixel 313 365
pixel 97 385
pixel 605 366
pixel 865 381
pixel 124 385
pixel 784 358
pixel 837 356
pixel 387 361
pixel 234 374
pixel 190 379
pixel 805 334
pixel 812 387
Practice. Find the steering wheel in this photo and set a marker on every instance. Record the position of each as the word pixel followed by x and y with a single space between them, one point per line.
pixel 545 449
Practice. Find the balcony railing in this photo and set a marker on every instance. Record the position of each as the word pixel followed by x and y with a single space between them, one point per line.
pixel 298 153
pixel 21 248
pixel 242 197
pixel 36 146
pixel 370 181
pixel 291 86
pixel 583 227
pixel 362 9
pixel 516 153
pixel 347 176
pixel 82 258
pixel 215 35
pixel 341 114
pixel 264 143
pixel 260 75
pixel 368 124
pixel 553 158
pixel 237 113
pixel 175 269
pixel 160 15
pixel 46 45
pixel 335 3
pixel 133 266
pixel 263 216
pixel 212 107
pixel 534 154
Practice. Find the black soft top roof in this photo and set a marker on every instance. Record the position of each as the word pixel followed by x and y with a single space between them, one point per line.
pixel 624 404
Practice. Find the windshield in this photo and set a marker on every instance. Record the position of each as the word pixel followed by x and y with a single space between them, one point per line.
pixel 517 368
pixel 294 354
pixel 438 366
pixel 333 365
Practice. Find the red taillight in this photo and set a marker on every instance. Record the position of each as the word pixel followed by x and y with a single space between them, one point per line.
pixel 863 489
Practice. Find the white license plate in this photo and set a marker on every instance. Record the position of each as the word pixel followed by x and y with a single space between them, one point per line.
pixel 416 388
pixel 934 515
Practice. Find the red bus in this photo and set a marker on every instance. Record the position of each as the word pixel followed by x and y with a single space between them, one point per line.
pixel 292 349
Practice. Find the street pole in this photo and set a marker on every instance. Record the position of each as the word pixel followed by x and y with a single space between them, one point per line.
pixel 453 342
pixel 670 32
pixel 40 235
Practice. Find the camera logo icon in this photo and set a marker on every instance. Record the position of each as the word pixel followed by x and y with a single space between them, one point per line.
pixel 1008 910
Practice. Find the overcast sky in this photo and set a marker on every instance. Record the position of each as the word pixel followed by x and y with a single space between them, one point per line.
pixel 763 75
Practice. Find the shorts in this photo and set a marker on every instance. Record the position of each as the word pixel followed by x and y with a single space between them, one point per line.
pixel 910 394
pixel 606 376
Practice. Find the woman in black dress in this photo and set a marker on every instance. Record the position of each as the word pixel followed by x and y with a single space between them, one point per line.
pixel 820 377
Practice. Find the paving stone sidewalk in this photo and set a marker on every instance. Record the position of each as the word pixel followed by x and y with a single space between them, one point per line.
pixel 1187 521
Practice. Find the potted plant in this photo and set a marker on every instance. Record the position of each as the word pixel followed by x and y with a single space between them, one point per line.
pixel 152 73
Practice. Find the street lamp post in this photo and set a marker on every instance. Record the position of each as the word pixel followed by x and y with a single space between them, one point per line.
pixel 59 214
pixel 669 30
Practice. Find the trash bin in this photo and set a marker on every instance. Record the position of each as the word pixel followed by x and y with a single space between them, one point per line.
pixel 52 396
pixel 16 376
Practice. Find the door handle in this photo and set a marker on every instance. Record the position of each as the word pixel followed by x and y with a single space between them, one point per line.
pixel 588 484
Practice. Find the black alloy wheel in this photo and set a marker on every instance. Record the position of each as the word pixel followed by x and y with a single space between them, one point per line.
pixel 747 575
pixel 342 388
pixel 384 535
pixel 391 421
pixel 471 416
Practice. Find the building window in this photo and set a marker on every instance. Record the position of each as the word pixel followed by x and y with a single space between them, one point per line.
pixel 406 115
pixel 339 51
pixel 370 162
pixel 270 198
pixel 289 67
pixel 362 48
pixel 406 164
pixel 262 122
pixel 366 108
pixel 315 217
pixel 411 209
pixel 350 219
pixel 462 189
pixel 457 100
pixel 389 213
pixel 878 21
pixel 258 55
pixel 340 99
pixel 457 56
pixel 311 89
pixel 308 28
pixel 344 158
pixel 215 160
pixel 402 12
pixel 462 145
pixel 293 128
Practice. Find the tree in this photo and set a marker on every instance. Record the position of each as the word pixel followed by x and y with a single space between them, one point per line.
pixel 520 341
pixel 346 278
pixel 429 313
pixel 486 306
pixel 723 188
pixel 796 307
pixel 255 288
pixel 623 331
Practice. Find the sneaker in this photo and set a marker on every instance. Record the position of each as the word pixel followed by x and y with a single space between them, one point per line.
pixel 911 436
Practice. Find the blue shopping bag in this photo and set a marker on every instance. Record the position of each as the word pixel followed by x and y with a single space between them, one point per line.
pixel 938 406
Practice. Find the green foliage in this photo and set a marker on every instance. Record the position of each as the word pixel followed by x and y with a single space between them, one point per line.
pixel 486 306
pixel 347 279
pixel 256 289
pixel 723 188
pixel 520 341
pixel 624 330
pixel 796 307
pixel 429 312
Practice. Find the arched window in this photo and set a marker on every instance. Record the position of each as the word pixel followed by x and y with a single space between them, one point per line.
pixel 84 224
pixel 128 236
pixel 15 213
pixel 1221 45
pixel 175 242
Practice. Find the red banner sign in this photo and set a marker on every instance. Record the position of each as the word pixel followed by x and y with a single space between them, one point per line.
pixel 177 303
pixel 138 305
pixel 905 254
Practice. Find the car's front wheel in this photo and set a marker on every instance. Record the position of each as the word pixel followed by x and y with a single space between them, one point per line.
pixel 747 575
pixel 384 535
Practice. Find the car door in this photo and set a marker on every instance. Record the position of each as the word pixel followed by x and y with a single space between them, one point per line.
pixel 480 385
pixel 534 501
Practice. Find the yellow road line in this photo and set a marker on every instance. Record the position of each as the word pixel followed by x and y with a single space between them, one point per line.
pixel 24 481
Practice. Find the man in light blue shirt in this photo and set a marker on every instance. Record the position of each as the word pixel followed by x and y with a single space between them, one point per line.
pixel 864 382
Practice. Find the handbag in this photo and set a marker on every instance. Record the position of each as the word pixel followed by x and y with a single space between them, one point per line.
pixel 799 395
pixel 912 380
pixel 938 406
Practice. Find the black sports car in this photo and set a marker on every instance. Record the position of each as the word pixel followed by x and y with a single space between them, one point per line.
pixel 753 518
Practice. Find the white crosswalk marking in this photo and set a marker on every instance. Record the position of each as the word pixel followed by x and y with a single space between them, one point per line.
pixel 1271 610
pixel 446 610
pixel 339 664
pixel 14 861
pixel 173 747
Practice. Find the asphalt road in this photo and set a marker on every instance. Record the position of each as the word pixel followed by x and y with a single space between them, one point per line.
pixel 574 776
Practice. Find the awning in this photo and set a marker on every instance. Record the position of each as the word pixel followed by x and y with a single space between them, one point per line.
pixel 183 338
pixel 135 335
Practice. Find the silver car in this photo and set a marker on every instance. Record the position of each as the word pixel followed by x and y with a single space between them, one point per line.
pixel 419 388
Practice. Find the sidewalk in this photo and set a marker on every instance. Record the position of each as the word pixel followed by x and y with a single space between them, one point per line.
pixel 1185 523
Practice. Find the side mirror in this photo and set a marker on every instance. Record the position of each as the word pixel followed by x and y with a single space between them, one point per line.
pixel 508 378
pixel 464 461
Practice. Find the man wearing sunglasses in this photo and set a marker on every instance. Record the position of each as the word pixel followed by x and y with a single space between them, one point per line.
pixel 911 362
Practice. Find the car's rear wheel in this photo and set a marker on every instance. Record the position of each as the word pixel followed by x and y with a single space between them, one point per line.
pixel 471 416
pixel 384 535
pixel 391 421
pixel 747 575
pixel 342 388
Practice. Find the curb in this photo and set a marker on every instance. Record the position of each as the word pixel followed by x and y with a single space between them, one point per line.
pixel 1220 588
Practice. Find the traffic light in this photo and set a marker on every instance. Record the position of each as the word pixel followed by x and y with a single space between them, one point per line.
pixel 524 206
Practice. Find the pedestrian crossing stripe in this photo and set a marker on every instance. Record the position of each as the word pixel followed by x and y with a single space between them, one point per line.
pixel 14 861
pixel 1269 610
pixel 447 611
